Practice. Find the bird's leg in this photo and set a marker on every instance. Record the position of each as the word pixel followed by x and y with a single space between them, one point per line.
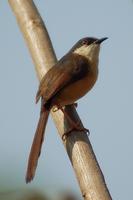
pixel 75 126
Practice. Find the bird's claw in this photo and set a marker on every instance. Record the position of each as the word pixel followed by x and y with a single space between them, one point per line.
pixel 55 109
pixel 78 128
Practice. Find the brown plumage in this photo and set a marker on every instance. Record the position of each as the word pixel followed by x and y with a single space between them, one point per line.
pixel 61 75
pixel 51 86
pixel 67 81
pixel 37 144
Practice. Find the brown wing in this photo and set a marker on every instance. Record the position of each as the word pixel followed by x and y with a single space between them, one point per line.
pixel 69 69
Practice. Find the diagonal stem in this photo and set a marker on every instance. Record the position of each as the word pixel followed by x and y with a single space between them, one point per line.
pixel 78 147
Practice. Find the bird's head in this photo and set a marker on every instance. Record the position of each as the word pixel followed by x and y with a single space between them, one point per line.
pixel 88 47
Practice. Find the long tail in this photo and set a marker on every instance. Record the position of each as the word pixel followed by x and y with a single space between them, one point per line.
pixel 36 145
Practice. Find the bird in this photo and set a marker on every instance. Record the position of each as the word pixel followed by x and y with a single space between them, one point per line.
pixel 67 81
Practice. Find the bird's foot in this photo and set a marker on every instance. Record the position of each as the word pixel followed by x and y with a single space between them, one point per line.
pixel 77 127
pixel 55 109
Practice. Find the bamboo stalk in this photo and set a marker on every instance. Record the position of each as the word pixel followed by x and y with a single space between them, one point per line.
pixel 79 149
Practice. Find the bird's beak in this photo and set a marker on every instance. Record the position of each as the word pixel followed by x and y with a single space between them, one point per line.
pixel 99 41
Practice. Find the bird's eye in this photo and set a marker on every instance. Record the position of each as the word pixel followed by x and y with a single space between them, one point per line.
pixel 84 42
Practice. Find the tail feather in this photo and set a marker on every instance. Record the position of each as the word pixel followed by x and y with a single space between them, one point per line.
pixel 38 96
pixel 36 145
